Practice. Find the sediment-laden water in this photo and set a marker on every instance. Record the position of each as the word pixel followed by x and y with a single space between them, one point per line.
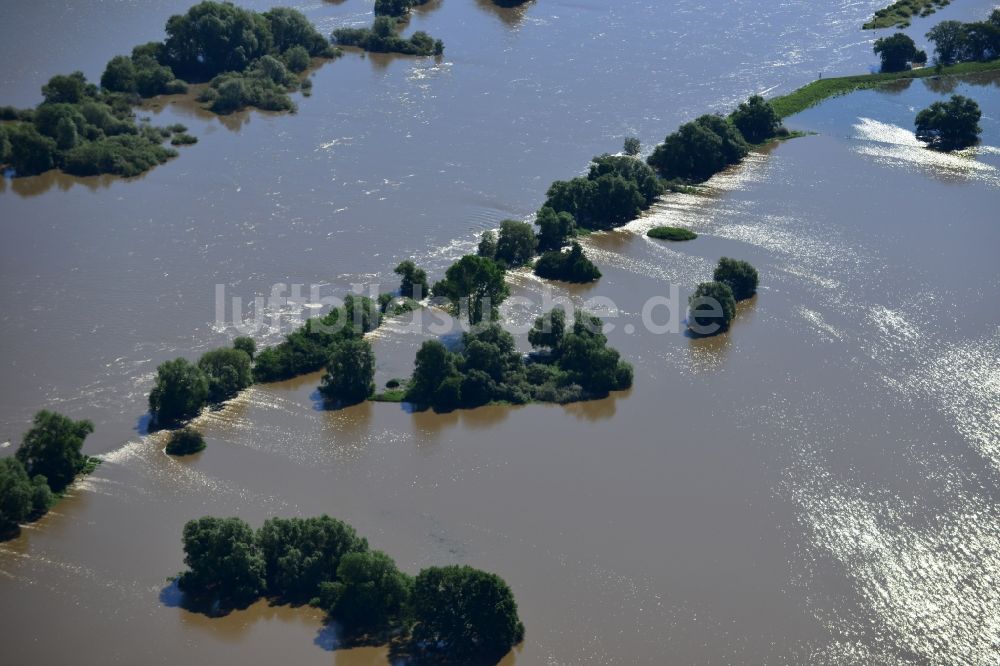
pixel 817 486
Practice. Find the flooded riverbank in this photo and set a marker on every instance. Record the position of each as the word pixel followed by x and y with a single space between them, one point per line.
pixel 816 486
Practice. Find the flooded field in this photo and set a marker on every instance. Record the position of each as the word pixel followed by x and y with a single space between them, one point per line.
pixel 819 485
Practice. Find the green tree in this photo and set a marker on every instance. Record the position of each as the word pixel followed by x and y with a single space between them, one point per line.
pixel 699 149
pixel 119 75
pixel 301 553
pixel 67 89
pixel 228 372
pixel 296 59
pixel 950 125
pixel 548 330
pixel 413 280
pixel 741 277
pixel 4 145
pixel 349 373
pixel 246 345
pixel 472 612
pixel 290 28
pixel 553 228
pixel 711 308
pixel 476 285
pixel 572 266
pixel 52 448
pixel 215 37
pixel 30 152
pixel 632 146
pixel 370 592
pixel 433 364
pixel 181 390
pixel 225 564
pixel 487 245
pixel 949 41
pixel 756 119
pixel 896 52
pixel 517 243
pixel 15 494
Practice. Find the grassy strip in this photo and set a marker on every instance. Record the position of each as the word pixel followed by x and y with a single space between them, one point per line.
pixel 813 93
pixel 671 233
pixel 899 13
pixel 389 395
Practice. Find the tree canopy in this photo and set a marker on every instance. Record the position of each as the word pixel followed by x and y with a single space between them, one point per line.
pixel 181 390
pixel 572 266
pixel 53 448
pixel 370 591
pixel 711 308
pixel 955 41
pixel 699 149
pixel 224 562
pixel 350 372
pixel 740 276
pixel 756 120
pixel 475 287
pixel 413 280
pixel 382 38
pixel 950 125
pixel 516 243
pixel 21 497
pixel 554 229
pixel 897 52
pixel 184 442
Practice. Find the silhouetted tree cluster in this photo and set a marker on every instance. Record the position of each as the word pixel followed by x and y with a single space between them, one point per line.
pixel 572 266
pixel 515 245
pixel 474 287
pixel 699 149
pixel 571 364
pixel 756 120
pixel 413 280
pixel 616 190
pixel 184 442
pixel 382 38
pixel 183 388
pixel 950 125
pixel 48 459
pixel 712 306
pixel 897 52
pixel 396 8
pixel 453 612
pixel 955 41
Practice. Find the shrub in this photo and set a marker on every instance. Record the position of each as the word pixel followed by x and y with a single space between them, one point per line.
pixel 572 266
pixel 183 139
pixel 671 233
pixel 632 146
pixel 711 308
pixel 52 448
pixel 739 275
pixel 382 38
pixel 184 442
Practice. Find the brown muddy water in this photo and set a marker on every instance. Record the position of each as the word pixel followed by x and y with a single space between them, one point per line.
pixel 817 486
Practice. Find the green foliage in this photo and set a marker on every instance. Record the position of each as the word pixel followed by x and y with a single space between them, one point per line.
pixel 553 228
pixel 52 448
pixel 215 37
pixel 370 592
pixel 181 390
pixel 632 146
pixel 225 564
pixel 382 38
pixel 68 89
pixel 413 280
pixel 739 276
pixel 487 245
pixel 950 125
pixel 4 145
pixel 671 233
pixel 246 345
pixel 30 152
pixel 290 29
pixel 349 373
pixel 711 308
pixel 616 190
pixel 470 612
pixel 516 243
pixel 309 348
pixel 16 492
pixel 264 86
pixel 896 52
pixel 228 372
pixel 184 442
pixel 297 59
pixel 756 120
pixel 299 554
pixel 572 266
pixel 474 286
pixel 699 150
pixel 125 155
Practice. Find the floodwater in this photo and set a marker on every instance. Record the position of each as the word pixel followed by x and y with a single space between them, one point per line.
pixel 818 486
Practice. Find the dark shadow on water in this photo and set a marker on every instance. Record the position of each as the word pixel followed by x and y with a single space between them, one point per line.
pixel 512 16
pixel 144 425
pixel 171 596
pixel 895 87
pixel 597 410
pixel 33 186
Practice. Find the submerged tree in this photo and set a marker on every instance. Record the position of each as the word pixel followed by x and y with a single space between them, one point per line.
pixel 413 280
pixel 950 125
pixel 897 52
pixel 52 448
pixel 225 564
pixel 711 308
pixel 474 284
pixel 739 275
pixel 349 373
pixel 181 390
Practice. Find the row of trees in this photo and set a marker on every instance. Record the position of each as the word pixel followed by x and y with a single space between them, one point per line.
pixel 572 363
pixel 382 37
pixel 183 388
pixel 49 458
pixel 712 306
pixel 955 41
pixel 455 612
